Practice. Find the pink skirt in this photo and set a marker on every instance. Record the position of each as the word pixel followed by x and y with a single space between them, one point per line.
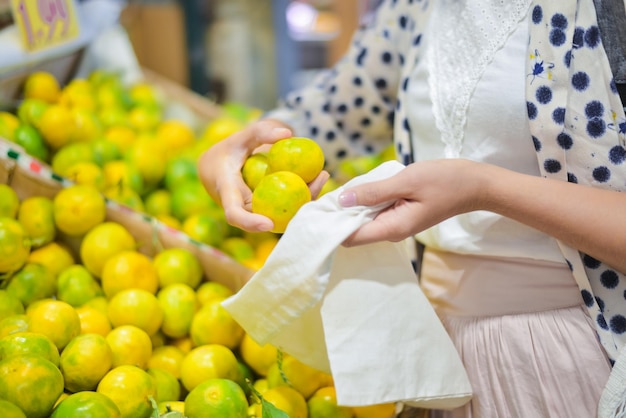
pixel 526 340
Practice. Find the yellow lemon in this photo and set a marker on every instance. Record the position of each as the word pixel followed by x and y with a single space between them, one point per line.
pixel 32 283
pixel 55 256
pixel 178 305
pixel 78 208
pixel 101 243
pixel 56 126
pixel 93 321
pixel 216 398
pixel 9 201
pixel 130 345
pixel 42 85
pixel 55 319
pixel 177 265
pixel 212 324
pixel 301 156
pixel 126 270
pixel 76 286
pixel 32 383
pixel 208 362
pixel 167 386
pixel 131 389
pixel 167 357
pixel 84 362
pixel 14 245
pixel 279 196
pixel 254 169
pixel 36 214
pixel 87 173
pixel 87 404
pixel 259 357
pixel 136 307
pixel 28 344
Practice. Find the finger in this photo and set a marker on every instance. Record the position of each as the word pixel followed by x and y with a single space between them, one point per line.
pixel 316 185
pixel 248 221
pixel 370 194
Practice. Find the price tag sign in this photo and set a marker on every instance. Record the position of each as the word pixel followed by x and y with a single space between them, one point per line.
pixel 45 23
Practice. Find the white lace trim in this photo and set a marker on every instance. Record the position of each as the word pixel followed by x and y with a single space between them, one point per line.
pixel 464 36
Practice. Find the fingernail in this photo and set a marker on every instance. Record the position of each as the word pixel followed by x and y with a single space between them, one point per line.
pixel 281 131
pixel 347 199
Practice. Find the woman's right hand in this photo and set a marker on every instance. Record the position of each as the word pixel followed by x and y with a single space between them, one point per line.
pixel 220 172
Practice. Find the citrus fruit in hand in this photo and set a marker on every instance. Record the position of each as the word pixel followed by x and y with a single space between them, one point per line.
pixel 136 307
pixel 279 196
pixel 9 202
pixel 14 245
pixel 32 383
pixel 208 362
pixel 177 265
pixel 217 398
pixel 301 156
pixel 103 242
pixel 323 404
pixel 254 169
pixel 179 305
pixel 32 283
pixel 86 404
pixel 78 208
pixel 55 319
pixel 130 388
pixel 128 269
pixel 28 344
pixel 36 214
pixel 130 345
pixel 41 85
pixel 212 324
pixel 85 361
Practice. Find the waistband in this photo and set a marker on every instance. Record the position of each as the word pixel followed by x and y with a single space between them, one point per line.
pixel 469 285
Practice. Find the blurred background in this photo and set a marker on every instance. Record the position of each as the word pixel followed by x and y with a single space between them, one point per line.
pixel 246 51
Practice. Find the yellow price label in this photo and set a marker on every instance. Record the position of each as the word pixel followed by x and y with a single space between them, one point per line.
pixel 44 23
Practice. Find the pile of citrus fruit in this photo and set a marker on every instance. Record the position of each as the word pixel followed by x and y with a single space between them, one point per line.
pixel 92 327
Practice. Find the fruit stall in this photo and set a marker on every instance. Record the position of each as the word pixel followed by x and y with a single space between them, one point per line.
pixel 113 258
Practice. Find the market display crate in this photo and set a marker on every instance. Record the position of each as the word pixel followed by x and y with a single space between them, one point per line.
pixel 31 177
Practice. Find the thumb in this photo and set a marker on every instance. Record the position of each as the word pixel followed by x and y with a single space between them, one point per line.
pixel 368 194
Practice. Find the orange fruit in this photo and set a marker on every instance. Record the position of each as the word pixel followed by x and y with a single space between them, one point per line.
pixel 323 404
pixel 259 357
pixel 144 118
pixel 28 344
pixel 184 343
pixel 175 135
pixel 70 154
pixel 212 324
pixel 14 245
pixel 220 128
pixel 216 398
pixel 178 304
pixel 299 376
pixel 287 400
pixel 32 383
pixel 104 151
pixel 167 357
pixel 78 208
pixel 87 126
pixel 78 94
pixel 12 324
pixel 126 196
pixel 86 404
pixel 87 173
pixel 131 389
pixel 8 123
pixel 93 321
pixel 254 169
pixel 177 265
pixel 9 201
pixel 279 196
pixel 10 410
pixel 210 291
pixel 301 156
pixel 122 173
pixel 84 362
pixel 190 198
pixel 30 110
pixel 238 248
pixel 208 362
pixel 55 256
pixel 171 406
pixel 126 270
pixel 54 318
pixel 101 243
pixel 120 135
pixel 387 410
pixel 41 85
pixel 136 307
pixel 158 202
pixel 130 346
pixel 29 138
pixel 31 283
pixel 146 154
pixel 36 214
pixel 167 386
pixel 76 286
pixel 330 185
pixel 9 304
pixel 56 126
pixel 205 228
pixel 180 170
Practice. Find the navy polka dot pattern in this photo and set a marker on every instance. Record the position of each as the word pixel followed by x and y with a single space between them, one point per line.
pixel 574 114
pixel 576 120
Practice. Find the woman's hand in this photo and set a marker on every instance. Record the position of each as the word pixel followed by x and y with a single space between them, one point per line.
pixel 423 194
pixel 220 172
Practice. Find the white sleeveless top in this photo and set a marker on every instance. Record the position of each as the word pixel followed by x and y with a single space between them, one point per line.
pixel 497 132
